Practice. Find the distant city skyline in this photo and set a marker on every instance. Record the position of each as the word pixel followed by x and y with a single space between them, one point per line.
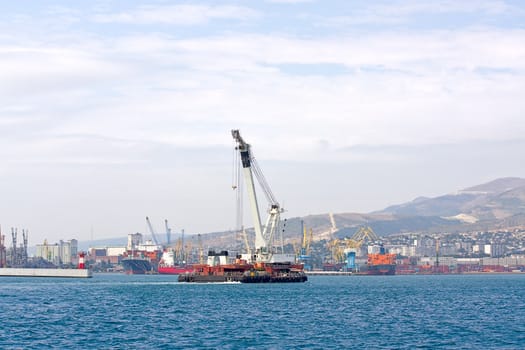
pixel 114 111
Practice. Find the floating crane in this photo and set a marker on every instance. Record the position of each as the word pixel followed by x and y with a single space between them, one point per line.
pixel 264 234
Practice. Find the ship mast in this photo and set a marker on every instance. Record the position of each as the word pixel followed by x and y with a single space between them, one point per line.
pixel 263 234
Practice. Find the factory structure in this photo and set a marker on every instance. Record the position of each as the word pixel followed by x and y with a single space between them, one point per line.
pixel 15 255
pixel 362 252
pixel 63 253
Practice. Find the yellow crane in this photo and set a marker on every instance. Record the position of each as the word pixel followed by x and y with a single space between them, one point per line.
pixel 336 248
pixel 364 233
pixel 307 241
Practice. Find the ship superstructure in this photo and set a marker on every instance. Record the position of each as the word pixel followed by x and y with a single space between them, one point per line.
pixel 168 265
pixel 140 257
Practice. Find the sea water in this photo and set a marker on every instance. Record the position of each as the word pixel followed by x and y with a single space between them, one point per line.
pixel 112 311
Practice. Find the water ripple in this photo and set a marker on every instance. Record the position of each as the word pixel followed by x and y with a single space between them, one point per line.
pixel 156 312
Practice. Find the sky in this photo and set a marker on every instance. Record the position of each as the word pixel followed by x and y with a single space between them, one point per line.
pixel 111 111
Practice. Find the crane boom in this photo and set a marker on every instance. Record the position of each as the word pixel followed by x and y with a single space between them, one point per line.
pixel 246 160
pixel 264 235
pixel 152 231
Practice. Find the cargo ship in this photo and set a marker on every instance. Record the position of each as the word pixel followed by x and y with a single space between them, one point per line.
pixel 137 266
pixel 381 263
pixel 167 265
pixel 140 258
pixel 219 269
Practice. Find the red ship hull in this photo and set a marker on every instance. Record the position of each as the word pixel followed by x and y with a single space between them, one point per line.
pixel 174 270
pixel 246 273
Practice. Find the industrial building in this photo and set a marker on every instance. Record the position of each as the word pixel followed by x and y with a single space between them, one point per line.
pixel 62 253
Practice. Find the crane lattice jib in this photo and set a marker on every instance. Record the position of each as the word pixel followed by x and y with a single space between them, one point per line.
pixel 365 232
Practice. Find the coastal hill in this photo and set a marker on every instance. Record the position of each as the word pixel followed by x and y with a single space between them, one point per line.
pixel 493 205
pixel 494 200
pixel 497 204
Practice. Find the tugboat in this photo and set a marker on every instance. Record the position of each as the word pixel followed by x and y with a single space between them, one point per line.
pixel 267 264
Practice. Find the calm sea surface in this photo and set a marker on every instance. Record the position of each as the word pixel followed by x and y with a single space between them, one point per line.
pixel 365 312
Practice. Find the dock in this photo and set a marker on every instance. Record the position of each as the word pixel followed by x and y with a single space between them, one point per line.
pixel 27 272
pixel 329 273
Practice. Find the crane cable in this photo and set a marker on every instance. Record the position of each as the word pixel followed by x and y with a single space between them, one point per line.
pixel 262 181
pixel 236 186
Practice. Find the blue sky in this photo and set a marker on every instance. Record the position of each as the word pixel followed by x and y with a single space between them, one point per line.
pixel 115 110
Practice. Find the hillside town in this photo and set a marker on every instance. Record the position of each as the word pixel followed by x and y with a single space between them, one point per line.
pixel 415 253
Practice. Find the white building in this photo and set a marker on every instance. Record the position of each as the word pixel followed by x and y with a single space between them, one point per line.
pixel 64 252
pixel 134 239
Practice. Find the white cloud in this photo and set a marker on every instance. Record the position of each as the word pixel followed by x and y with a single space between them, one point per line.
pixel 177 14
pixel 29 71
pixel 290 1
pixel 400 89
pixel 145 113
pixel 443 6
pixel 397 12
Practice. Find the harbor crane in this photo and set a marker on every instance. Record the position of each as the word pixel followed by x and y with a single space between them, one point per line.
pixel 168 232
pixel 25 234
pixel 14 234
pixel 304 256
pixel 364 233
pixel 3 252
pixel 201 251
pixel 264 234
pixel 152 231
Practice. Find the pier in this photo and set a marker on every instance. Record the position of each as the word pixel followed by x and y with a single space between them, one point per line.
pixel 329 273
pixel 23 272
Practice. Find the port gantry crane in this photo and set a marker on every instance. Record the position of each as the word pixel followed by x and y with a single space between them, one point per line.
pixel 264 235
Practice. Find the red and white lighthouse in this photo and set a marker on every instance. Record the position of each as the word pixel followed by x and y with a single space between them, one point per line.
pixel 81 264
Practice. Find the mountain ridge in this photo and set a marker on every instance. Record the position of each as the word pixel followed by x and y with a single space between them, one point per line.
pixel 496 204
